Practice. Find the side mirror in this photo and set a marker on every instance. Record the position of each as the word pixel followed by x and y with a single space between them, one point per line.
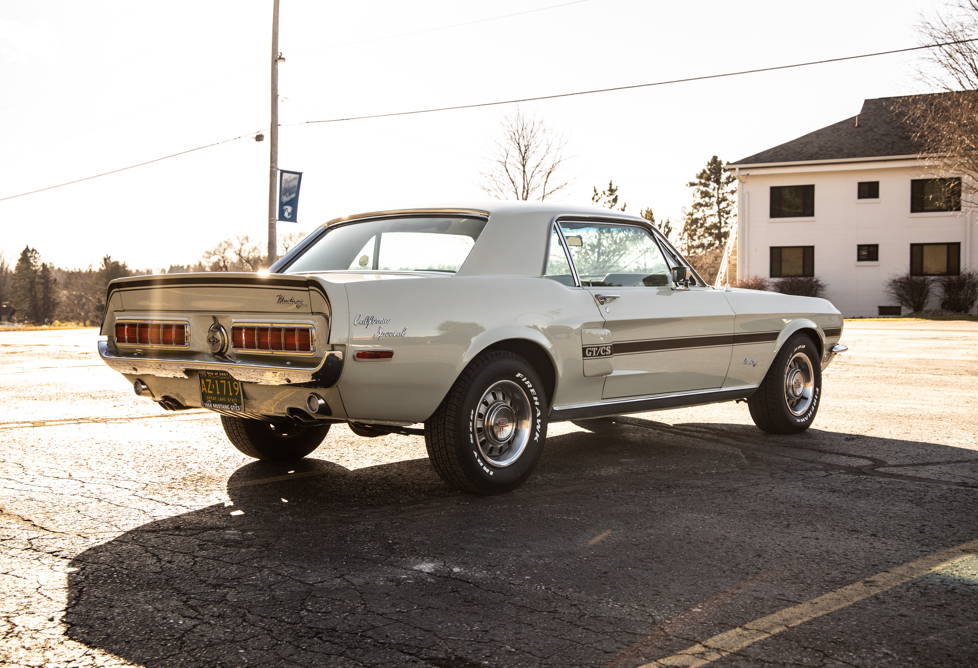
pixel 681 276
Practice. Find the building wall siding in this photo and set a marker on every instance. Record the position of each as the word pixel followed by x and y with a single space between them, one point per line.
pixel 841 222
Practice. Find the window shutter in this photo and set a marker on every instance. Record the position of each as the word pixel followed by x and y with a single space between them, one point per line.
pixel 775 262
pixel 954 259
pixel 916 259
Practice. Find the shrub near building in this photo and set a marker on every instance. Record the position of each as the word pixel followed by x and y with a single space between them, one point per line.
pixel 959 292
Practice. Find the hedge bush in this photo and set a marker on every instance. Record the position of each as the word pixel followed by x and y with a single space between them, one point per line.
pixel 753 283
pixel 805 286
pixel 910 291
pixel 959 292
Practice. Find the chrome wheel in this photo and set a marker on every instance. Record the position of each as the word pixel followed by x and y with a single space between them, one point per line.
pixel 502 424
pixel 799 383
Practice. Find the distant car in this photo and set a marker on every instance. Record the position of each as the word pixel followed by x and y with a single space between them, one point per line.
pixel 483 324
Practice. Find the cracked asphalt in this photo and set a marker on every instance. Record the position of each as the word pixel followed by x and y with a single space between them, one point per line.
pixel 134 536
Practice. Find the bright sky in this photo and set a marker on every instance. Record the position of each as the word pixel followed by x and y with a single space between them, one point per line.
pixel 91 86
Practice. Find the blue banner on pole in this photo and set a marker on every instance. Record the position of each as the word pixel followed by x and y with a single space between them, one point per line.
pixel 288 195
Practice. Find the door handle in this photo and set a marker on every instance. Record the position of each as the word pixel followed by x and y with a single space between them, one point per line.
pixel 605 299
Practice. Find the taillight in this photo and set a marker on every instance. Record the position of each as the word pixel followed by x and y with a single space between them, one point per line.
pixel 151 333
pixel 272 339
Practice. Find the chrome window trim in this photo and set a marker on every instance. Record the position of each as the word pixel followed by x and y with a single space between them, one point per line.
pixel 554 227
pixel 672 250
pixel 282 265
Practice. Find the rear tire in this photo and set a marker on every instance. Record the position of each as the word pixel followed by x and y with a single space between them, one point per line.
pixel 488 433
pixel 788 398
pixel 272 441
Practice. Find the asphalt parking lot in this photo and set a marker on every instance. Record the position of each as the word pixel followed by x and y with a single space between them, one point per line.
pixel 685 537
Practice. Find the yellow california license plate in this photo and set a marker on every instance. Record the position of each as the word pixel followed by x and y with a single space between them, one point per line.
pixel 219 391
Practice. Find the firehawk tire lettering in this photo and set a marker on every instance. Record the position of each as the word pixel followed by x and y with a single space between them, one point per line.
pixel 768 405
pixel 457 456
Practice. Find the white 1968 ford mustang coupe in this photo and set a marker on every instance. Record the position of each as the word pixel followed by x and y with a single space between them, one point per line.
pixel 482 323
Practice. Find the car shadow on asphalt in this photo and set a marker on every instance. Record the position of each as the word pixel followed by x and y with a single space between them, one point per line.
pixel 627 542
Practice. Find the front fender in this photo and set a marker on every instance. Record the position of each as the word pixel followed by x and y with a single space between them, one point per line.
pixel 795 326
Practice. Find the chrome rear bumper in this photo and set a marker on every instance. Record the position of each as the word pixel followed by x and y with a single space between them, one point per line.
pixel 324 374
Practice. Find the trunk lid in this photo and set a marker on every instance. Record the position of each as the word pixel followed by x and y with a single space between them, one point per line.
pixel 217 293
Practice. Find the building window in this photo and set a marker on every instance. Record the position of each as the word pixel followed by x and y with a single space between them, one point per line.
pixel 935 259
pixel 868 190
pixel 868 253
pixel 935 195
pixel 792 201
pixel 792 261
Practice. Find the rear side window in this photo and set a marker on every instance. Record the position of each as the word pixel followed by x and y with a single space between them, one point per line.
pixel 558 268
pixel 409 243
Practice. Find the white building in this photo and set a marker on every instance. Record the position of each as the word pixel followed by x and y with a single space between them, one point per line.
pixel 854 205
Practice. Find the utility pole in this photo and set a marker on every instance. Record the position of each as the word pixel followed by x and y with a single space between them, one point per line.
pixel 273 143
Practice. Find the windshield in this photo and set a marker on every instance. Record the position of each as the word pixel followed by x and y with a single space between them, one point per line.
pixel 393 244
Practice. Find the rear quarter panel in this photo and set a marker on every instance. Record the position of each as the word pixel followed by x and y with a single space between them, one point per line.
pixel 437 325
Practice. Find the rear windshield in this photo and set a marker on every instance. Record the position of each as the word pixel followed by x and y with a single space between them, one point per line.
pixel 392 244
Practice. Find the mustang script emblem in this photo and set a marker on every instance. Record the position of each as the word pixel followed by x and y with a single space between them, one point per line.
pixel 295 301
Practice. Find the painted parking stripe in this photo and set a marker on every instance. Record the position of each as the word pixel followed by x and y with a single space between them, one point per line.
pixel 734 640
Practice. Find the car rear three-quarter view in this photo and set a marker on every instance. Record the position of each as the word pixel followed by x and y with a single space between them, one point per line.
pixel 474 326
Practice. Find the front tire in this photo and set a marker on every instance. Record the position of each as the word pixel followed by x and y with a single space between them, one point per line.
pixel 272 441
pixel 488 433
pixel 788 398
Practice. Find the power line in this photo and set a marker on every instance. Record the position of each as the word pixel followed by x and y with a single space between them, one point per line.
pixel 495 103
pixel 612 89
pixel 127 167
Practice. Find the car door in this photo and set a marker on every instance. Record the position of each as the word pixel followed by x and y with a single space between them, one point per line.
pixel 665 338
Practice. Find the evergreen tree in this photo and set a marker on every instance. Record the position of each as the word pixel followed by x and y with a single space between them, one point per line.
pixel 608 197
pixel 25 298
pixel 47 298
pixel 4 281
pixel 111 269
pixel 665 226
pixel 708 221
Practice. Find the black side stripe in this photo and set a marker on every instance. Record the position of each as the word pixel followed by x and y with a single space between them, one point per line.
pixel 656 345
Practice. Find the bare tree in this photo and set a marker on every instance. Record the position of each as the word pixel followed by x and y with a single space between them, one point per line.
pixel 239 254
pixel 288 241
pixel 946 125
pixel 526 161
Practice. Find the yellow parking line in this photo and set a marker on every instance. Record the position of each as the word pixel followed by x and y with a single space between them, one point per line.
pixel 737 639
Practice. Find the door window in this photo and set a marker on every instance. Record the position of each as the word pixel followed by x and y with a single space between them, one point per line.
pixel 608 255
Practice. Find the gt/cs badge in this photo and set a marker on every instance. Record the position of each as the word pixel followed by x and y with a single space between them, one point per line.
pixel 594 352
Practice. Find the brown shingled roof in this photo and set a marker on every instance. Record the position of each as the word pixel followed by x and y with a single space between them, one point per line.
pixel 878 131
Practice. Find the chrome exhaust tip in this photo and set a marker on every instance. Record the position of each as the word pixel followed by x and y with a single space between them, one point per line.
pixel 316 405
pixel 140 388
